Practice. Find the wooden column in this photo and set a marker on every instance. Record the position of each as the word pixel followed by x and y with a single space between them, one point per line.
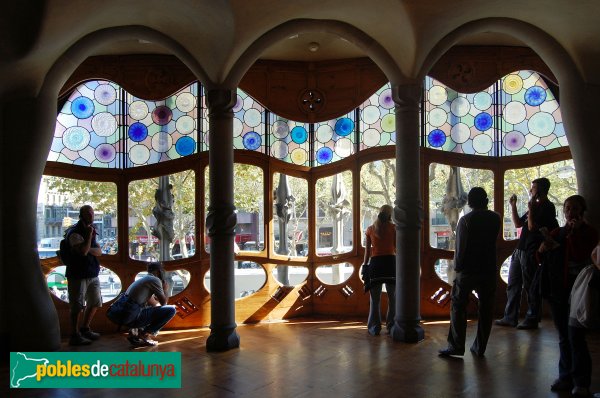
pixel 408 215
pixel 221 221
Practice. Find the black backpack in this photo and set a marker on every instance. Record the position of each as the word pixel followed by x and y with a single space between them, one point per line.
pixel 64 252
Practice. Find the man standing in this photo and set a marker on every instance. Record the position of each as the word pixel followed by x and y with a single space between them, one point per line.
pixel 475 266
pixel 82 276
pixel 521 273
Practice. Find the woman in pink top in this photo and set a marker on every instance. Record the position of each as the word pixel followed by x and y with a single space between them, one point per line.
pixel 379 267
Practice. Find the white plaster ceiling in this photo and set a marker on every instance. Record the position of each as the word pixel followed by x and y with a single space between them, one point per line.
pixel 217 33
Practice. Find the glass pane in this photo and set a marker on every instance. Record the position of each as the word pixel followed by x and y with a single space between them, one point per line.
pixel 563 183
pixel 334 274
pixel 444 270
pixel 57 283
pixel 377 188
pixel 248 199
pixel 87 131
pixel 162 130
pixel 110 284
pixel 161 217
pixel 334 214
pixel 248 188
pixel 250 277
pixel 531 118
pixel 457 122
pixel 290 275
pixel 334 139
pixel 377 119
pixel 248 123
pixel 290 215
pixel 289 140
pixel 448 188
pixel 204 122
pixel 504 269
pixel 59 200
pixel 177 280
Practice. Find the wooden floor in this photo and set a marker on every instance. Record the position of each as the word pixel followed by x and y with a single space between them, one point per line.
pixel 337 358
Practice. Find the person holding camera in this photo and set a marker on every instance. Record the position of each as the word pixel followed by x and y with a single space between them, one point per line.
pixel 149 292
pixel 541 214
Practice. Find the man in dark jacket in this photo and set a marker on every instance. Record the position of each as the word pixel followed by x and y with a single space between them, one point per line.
pixel 523 266
pixel 82 276
pixel 475 265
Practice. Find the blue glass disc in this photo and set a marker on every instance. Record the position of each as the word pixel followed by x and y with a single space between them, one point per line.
pixel 185 146
pixel 483 121
pixel 436 138
pixel 535 95
pixel 299 135
pixel 82 107
pixel 324 155
pixel 344 126
pixel 252 140
pixel 138 132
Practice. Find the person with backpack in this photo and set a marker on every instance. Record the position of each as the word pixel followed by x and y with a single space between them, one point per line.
pixel 148 299
pixel 79 252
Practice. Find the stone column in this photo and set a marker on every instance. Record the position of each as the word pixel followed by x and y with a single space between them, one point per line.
pixel 578 105
pixel 408 215
pixel 221 221
pixel 28 318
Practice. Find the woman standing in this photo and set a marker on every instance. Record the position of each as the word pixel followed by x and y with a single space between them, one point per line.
pixel 380 259
pixel 564 253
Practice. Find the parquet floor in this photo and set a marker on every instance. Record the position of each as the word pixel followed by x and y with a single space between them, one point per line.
pixel 337 358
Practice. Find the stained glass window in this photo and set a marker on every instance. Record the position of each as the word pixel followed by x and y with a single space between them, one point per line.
pixel 531 118
pixel 248 123
pixel 91 129
pixel 204 120
pixel 456 122
pixel 515 116
pixel 377 119
pixel 88 127
pixel 334 139
pixel 100 125
pixel 289 140
pixel 162 130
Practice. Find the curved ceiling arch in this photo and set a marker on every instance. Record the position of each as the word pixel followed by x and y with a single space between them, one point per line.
pixel 550 51
pixel 371 48
pixel 65 65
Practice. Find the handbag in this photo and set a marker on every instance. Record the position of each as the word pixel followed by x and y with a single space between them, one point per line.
pixel 585 300
pixel 124 310
pixel 366 276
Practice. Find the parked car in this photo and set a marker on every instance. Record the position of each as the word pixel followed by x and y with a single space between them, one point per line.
pixel 250 246
pixel 247 265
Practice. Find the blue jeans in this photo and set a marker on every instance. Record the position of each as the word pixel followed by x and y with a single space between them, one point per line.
pixel 374 322
pixel 152 319
pixel 521 275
